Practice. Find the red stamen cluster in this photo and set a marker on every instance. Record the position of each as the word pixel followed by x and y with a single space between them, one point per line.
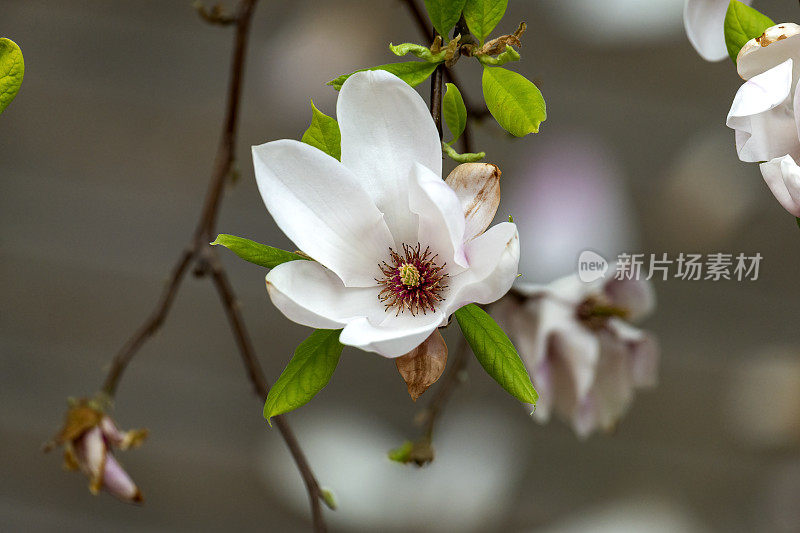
pixel 425 291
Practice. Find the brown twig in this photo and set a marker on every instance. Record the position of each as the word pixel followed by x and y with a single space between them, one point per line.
pixel 436 99
pixel 473 112
pixel 450 381
pixel 206 261
pixel 446 387
pixel 256 374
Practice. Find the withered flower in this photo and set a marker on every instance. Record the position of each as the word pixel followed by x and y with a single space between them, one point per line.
pixel 88 436
pixel 423 366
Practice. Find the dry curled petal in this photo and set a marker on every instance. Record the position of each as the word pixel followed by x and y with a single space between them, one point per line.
pixel 422 366
pixel 498 46
pixel 477 186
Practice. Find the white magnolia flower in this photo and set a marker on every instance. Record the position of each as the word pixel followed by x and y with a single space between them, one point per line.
pixel 766 110
pixel 396 249
pixel 583 356
pixel 704 21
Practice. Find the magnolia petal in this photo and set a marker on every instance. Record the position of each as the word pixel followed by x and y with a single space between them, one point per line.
pixel 386 128
pixel 477 186
pixel 613 387
pixel 493 262
pixel 118 483
pixel 441 219
pixel 579 348
pixel 645 355
pixel 311 295
pixel 565 398
pixel 763 117
pixel 704 21
pixel 782 176
pixel 542 379
pixel 90 452
pixel 111 432
pixel 423 366
pixel 394 336
pixel 321 206
pixel 776 45
pixel 635 296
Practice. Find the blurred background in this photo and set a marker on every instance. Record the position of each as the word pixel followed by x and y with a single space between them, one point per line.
pixel 104 158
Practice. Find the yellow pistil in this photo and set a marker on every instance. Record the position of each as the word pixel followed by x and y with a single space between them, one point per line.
pixel 409 275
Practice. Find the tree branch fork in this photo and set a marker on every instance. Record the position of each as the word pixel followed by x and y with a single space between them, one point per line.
pixel 204 261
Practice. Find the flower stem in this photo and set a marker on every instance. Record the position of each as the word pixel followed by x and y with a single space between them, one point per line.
pixel 448 384
pixel 206 261
pixel 473 112
pixel 436 98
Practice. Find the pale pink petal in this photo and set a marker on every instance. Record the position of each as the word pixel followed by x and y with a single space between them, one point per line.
pixel 635 296
pixel 118 483
pixel 645 355
pixel 90 450
pixel 613 387
pixel 579 348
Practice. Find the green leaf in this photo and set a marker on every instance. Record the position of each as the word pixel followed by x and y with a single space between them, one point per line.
pixel 743 23
pixel 411 72
pixel 444 14
pixel 306 374
pixel 329 498
pixel 12 70
pixel 454 111
pixel 323 133
pixel 462 158
pixel 418 50
pixel 797 219
pixel 402 454
pixel 483 15
pixel 509 55
pixel 259 254
pixel 513 100
pixel 496 353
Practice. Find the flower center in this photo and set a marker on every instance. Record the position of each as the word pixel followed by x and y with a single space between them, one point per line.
pixel 409 275
pixel 412 281
pixel 594 312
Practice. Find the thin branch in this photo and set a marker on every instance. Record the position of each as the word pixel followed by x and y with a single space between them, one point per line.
pixel 256 375
pixel 473 112
pixel 436 99
pixel 206 261
pixel 225 152
pixel 452 376
pixel 150 326
pixel 446 387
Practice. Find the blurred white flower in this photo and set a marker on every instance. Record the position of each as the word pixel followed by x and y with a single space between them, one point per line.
pixel 704 21
pixel 765 113
pixel 396 248
pixel 583 356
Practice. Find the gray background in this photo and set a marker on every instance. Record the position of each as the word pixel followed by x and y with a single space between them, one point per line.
pixel 104 159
